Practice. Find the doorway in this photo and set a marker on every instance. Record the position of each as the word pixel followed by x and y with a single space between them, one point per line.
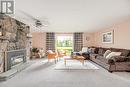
pixel 64 42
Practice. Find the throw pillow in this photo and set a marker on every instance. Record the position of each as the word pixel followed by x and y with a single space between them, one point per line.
pixel 106 53
pixel 112 54
pixel 84 49
pixel 91 50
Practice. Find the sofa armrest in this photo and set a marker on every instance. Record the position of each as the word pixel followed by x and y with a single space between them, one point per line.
pixel 118 59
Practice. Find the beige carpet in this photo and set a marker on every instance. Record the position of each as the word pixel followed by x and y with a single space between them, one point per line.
pixel 75 65
pixel 43 74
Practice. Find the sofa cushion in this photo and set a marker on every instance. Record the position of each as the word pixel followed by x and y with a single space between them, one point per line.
pixel 112 54
pixel 101 51
pixel 129 54
pixel 106 53
pixel 125 53
pixel 96 50
pixel 102 59
pixel 121 59
pixel 93 55
pixel 93 50
pixel 1 60
pixel 115 50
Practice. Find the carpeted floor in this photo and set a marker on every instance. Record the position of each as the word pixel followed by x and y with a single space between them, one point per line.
pixel 74 65
pixel 43 74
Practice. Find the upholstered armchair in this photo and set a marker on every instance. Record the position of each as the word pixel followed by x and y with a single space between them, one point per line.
pixel 52 55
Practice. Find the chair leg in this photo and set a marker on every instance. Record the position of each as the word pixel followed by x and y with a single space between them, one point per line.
pixel 55 60
pixel 58 59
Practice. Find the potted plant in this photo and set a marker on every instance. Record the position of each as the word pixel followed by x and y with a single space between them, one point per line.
pixel 35 52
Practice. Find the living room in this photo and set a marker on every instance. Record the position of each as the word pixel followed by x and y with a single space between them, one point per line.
pixel 65 43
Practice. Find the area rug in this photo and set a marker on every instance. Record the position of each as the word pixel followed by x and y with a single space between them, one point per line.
pixel 74 65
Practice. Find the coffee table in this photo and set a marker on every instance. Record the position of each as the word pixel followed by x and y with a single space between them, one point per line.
pixel 79 58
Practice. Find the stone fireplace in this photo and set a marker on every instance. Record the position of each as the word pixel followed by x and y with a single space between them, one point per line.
pixel 13 40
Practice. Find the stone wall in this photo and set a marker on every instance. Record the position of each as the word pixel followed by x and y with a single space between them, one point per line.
pixel 14 34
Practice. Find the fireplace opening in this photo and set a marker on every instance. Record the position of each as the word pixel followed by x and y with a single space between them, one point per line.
pixel 16 60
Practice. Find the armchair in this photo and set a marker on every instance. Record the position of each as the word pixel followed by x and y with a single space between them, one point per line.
pixel 52 55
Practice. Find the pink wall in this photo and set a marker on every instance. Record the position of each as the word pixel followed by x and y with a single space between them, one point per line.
pixel 88 39
pixel 121 36
pixel 39 40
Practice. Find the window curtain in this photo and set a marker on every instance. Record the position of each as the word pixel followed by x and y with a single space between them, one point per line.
pixel 50 41
pixel 78 41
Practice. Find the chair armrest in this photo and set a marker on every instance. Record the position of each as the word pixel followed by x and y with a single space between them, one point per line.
pixel 52 55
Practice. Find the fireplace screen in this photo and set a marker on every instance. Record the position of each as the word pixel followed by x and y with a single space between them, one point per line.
pixel 14 57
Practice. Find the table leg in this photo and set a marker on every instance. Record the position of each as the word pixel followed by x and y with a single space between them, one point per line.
pixel 83 62
pixel 65 62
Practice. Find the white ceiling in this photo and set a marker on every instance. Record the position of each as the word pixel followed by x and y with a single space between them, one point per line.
pixel 73 15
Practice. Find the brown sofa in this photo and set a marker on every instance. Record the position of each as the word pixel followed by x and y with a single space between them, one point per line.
pixel 116 63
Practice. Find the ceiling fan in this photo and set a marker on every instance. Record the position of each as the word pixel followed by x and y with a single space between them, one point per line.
pixel 37 22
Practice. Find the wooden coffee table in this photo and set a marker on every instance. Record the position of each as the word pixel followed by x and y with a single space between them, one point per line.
pixel 79 58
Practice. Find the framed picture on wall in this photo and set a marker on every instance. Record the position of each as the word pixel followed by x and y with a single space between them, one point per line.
pixel 107 37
